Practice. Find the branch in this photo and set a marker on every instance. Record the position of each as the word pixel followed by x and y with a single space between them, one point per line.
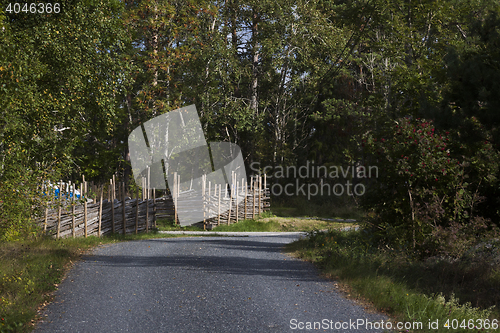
pixel 61 129
pixel 464 35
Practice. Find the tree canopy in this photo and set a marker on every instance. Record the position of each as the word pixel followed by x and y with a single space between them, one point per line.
pixel 288 81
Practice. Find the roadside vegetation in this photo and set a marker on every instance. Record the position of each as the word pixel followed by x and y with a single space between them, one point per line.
pixel 169 225
pixel 322 207
pixel 409 288
pixel 269 222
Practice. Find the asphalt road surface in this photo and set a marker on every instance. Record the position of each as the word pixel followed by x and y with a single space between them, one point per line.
pixel 200 284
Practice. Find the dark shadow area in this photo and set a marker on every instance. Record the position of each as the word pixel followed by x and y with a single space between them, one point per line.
pixel 276 242
pixel 246 244
pixel 211 259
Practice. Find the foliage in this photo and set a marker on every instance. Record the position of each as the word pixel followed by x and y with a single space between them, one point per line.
pixel 473 72
pixel 318 206
pixel 59 79
pixel 470 100
pixel 20 200
pixel 422 182
pixel 457 239
pixel 163 39
pixel 334 82
pixel 289 82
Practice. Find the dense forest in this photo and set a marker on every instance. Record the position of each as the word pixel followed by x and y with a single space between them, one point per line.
pixel 411 87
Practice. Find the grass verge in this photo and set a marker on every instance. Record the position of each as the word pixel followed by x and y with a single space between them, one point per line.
pixel 343 208
pixel 170 225
pixel 408 291
pixel 31 269
pixel 268 222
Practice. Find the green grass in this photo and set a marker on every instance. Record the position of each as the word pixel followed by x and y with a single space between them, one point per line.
pixel 250 225
pixel 266 221
pixel 407 290
pixel 169 225
pixel 269 222
pixel 344 208
pixel 31 269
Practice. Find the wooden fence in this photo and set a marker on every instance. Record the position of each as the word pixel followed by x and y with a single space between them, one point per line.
pixel 102 210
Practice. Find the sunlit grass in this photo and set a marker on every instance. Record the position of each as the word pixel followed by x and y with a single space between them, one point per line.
pixel 250 225
pixel 271 223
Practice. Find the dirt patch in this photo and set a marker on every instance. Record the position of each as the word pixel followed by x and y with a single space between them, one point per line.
pixel 297 224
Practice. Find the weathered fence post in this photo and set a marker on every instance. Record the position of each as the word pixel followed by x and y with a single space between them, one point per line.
pixel 203 178
pixel 230 204
pixel 73 224
pixel 112 181
pixel 85 206
pixel 265 190
pixel 81 196
pixel 147 199
pixel 237 204
pixel 46 208
pixel 59 210
pixel 265 183
pixel 136 209
pixel 174 197
pixel 218 211
pixel 209 196
pixel 46 216
pixel 253 201
pixel 260 193
pixel 246 195
pixel 123 209
pixel 154 207
pixel 100 212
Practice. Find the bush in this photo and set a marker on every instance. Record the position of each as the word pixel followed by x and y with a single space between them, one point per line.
pixel 423 185
pixel 456 240
pixel 20 196
pixel 16 207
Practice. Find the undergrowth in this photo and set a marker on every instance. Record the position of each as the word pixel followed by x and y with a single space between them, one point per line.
pixel 251 225
pixel 326 207
pixel 407 289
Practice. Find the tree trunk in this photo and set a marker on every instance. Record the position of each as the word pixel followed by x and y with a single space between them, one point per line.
pixel 234 42
pixel 255 63
pixel 154 47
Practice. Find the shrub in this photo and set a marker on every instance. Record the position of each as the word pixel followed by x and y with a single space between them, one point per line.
pixel 423 185
pixel 16 200
pixel 20 196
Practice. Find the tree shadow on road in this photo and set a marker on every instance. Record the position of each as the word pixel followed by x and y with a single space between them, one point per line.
pixel 218 256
